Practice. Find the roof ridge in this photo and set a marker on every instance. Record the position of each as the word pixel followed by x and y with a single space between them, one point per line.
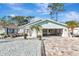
pixel 56 22
pixel 31 23
pixel 43 20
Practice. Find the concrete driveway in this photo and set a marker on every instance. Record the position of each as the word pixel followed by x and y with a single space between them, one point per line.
pixel 20 48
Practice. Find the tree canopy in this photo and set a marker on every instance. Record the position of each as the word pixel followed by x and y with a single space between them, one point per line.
pixel 21 20
pixel 72 25
pixel 54 9
pixel 18 20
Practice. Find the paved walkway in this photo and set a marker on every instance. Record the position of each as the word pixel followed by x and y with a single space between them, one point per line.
pixel 20 48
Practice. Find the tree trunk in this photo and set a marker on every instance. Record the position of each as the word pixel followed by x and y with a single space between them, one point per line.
pixel 37 33
pixel 56 16
pixel 7 31
pixel 50 15
pixel 72 31
pixel 24 34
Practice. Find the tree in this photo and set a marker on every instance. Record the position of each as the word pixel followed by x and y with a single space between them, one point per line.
pixel 17 19
pixel 37 27
pixel 29 18
pixel 54 9
pixel 72 25
pixel 78 24
pixel 5 22
pixel 21 20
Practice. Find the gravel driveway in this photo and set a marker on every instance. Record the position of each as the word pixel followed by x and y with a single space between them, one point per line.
pixel 59 46
pixel 20 48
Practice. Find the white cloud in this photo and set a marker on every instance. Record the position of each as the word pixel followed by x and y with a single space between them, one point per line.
pixel 72 15
pixel 42 8
pixel 14 4
pixel 67 16
pixel 17 7
pixel 12 15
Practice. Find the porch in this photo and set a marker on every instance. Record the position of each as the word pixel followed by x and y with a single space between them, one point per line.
pixel 52 32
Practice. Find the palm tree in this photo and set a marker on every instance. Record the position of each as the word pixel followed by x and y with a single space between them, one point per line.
pixel 72 25
pixel 38 29
pixel 78 24
pixel 54 9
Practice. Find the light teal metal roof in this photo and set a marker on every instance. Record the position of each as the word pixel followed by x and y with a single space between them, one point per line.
pixel 41 22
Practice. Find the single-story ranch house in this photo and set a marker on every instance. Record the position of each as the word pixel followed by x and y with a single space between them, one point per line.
pixel 48 28
pixel 8 30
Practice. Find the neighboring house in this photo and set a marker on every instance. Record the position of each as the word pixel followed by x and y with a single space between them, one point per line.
pixel 49 28
pixel 2 30
pixel 76 31
pixel 10 29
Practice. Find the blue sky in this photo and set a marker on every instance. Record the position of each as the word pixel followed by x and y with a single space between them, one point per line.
pixel 39 10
